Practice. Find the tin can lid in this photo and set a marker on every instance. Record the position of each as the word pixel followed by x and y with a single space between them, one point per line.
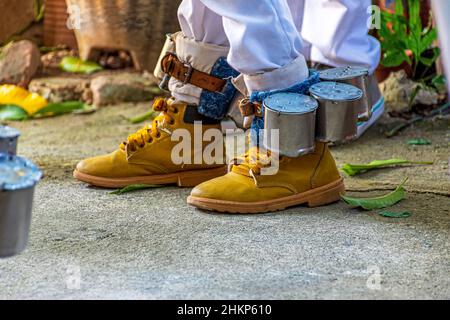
pixel 343 73
pixel 17 173
pixel 335 91
pixel 288 102
pixel 8 132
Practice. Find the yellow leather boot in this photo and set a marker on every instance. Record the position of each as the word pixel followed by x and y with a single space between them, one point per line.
pixel 311 179
pixel 199 80
pixel 147 158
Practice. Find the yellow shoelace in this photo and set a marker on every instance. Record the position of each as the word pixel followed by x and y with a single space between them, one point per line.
pixel 149 133
pixel 253 162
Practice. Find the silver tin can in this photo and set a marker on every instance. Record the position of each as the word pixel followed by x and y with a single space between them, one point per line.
pixel 8 140
pixel 294 115
pixel 358 77
pixel 18 178
pixel 337 114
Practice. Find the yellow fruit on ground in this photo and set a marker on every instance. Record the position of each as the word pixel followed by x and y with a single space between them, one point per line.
pixel 14 95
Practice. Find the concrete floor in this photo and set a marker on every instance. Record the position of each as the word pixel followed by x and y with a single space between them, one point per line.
pixel 86 243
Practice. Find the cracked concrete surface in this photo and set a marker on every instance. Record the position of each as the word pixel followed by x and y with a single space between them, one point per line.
pixel 151 245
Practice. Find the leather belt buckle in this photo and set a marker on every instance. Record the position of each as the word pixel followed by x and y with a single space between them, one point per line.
pixel 188 73
pixel 167 69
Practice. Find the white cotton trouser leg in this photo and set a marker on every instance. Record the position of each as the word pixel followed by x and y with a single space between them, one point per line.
pixel 264 42
pixel 441 11
pixel 336 33
pixel 333 32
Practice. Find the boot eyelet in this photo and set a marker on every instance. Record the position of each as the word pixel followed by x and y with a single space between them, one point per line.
pixel 158 135
pixel 172 122
pixel 150 140
pixel 175 110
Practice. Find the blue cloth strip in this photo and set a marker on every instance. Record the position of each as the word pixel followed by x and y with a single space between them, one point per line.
pixel 215 104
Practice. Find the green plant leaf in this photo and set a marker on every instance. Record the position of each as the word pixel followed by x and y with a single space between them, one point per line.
pixel 428 39
pixel 440 83
pixel 150 115
pixel 399 8
pixel 355 169
pixel 400 24
pixel 414 95
pixel 86 109
pixel 54 109
pixel 134 187
pixel 394 58
pixel 413 44
pixel 430 61
pixel 39 9
pixel 76 65
pixel 415 21
pixel 389 214
pixel 12 113
pixel 419 142
pixel 378 202
pixel 396 37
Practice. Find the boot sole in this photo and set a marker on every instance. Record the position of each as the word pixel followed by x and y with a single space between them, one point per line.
pixel 313 198
pixel 182 179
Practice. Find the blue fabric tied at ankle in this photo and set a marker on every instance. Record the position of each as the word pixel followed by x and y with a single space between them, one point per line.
pixel 259 96
pixel 215 104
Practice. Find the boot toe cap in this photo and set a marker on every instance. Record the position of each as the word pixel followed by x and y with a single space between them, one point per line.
pixel 236 188
pixel 102 166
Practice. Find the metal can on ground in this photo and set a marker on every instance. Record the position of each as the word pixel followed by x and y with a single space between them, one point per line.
pixel 18 178
pixel 8 140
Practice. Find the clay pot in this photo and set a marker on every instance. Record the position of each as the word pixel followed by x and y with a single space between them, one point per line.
pixel 55 25
pixel 138 27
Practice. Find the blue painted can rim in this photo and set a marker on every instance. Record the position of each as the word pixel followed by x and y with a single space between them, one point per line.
pixel 17 173
pixel 8 132
pixel 335 91
pixel 290 103
pixel 343 73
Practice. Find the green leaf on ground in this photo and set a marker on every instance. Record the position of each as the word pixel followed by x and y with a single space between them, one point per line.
pixel 354 169
pixel 150 115
pixel 378 202
pixel 53 109
pixel 12 113
pixel 419 142
pixel 86 109
pixel 389 214
pixel 76 65
pixel 134 187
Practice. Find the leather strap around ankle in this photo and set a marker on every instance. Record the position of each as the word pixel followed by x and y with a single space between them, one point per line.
pixel 172 66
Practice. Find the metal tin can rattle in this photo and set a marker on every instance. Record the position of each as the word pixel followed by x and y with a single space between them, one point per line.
pixel 337 114
pixel 294 115
pixel 18 178
pixel 358 77
pixel 8 140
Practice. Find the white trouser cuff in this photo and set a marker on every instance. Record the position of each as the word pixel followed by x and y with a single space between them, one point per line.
pixel 201 56
pixel 369 59
pixel 284 77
